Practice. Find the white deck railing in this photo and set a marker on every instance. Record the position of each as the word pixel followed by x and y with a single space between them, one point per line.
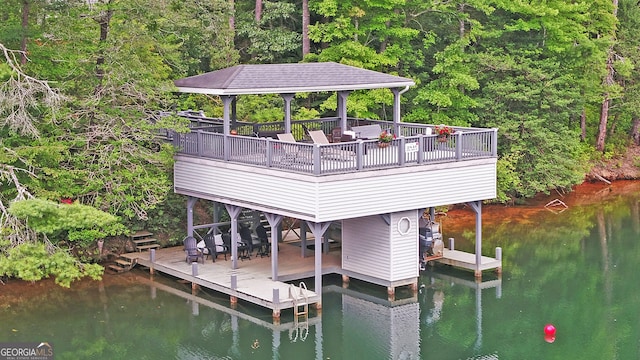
pixel 412 147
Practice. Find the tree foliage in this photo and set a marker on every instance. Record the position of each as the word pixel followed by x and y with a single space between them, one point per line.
pixel 75 223
pixel 81 84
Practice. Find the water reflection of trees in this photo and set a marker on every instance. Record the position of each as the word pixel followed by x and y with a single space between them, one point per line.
pixel 574 269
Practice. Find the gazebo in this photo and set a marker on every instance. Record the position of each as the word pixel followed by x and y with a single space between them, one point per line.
pixel 290 79
pixel 249 172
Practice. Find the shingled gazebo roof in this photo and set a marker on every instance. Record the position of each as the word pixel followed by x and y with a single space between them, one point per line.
pixel 288 79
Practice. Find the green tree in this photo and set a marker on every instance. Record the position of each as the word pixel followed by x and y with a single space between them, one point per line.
pixel 71 224
pixel 366 34
pixel 272 36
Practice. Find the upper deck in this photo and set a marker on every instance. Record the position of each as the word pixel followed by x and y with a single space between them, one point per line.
pixel 339 180
pixel 413 146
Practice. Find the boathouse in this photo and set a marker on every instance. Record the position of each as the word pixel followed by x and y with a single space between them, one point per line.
pixel 332 171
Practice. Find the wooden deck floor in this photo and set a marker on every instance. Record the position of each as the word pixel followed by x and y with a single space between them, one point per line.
pixel 467 260
pixel 254 283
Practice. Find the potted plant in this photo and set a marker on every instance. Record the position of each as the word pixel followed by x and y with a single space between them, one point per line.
pixel 385 139
pixel 443 132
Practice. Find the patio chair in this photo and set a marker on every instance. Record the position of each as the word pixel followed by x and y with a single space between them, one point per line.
pixel 336 135
pixel 265 247
pixel 215 246
pixel 247 241
pixel 333 153
pixel 191 250
pixel 288 137
pixel 293 153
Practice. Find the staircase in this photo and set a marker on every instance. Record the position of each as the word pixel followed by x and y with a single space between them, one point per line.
pixel 122 264
pixel 144 240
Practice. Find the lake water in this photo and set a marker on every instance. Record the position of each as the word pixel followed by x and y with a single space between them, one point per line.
pixel 576 269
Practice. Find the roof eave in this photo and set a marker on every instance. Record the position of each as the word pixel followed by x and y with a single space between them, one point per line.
pixel 295 90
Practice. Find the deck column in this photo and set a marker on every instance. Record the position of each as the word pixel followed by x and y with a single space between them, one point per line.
pixel 226 117
pixel 318 230
pixel 194 273
pixel 391 293
pixel 191 202
pixel 152 260
pixel 234 211
pixel 477 207
pixel 234 286
pixel 342 108
pixel 274 222
pixel 287 111
pixel 276 304
pixel 396 107
pixel 345 281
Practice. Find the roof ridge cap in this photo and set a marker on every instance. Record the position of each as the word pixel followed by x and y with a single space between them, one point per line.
pixel 233 75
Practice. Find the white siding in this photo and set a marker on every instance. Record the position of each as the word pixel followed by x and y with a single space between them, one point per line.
pixel 247 186
pixel 392 191
pixel 404 246
pixel 366 248
pixel 335 197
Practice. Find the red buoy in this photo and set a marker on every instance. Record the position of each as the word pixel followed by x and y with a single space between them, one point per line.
pixel 550 330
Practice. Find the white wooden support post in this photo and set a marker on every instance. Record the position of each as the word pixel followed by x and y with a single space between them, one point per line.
pixel 402 151
pixel 318 230
pixel 276 304
pixel 194 273
pixel 421 148
pixel 200 142
pixel 452 244
pixel 287 111
pixel 317 163
pixel 499 258
pixel 477 207
pixel 234 211
pixel 269 152
pixel 191 202
pixel 152 259
pixel 234 285
pixel 360 154
pixel 458 136
pixel 226 117
pixel 342 108
pixel 274 222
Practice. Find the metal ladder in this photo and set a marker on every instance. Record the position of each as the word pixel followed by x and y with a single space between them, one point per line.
pixel 297 294
pixel 300 300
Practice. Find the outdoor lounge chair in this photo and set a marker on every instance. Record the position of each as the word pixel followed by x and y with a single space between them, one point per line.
pixel 294 153
pixel 333 153
pixel 191 250
pixel 215 246
pixel 288 137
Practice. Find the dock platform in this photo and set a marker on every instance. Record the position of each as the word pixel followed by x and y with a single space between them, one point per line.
pixel 252 282
pixel 467 260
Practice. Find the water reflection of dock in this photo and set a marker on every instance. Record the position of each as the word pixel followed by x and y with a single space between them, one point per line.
pixel 294 330
pixel 436 300
pixel 393 326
